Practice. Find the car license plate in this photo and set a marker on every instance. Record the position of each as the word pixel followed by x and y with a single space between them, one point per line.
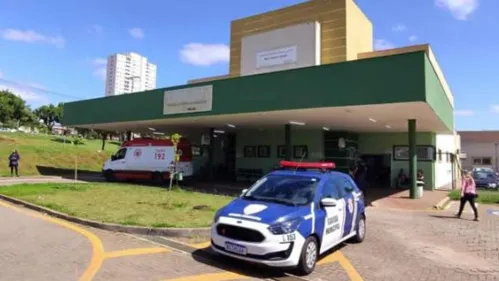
pixel 234 248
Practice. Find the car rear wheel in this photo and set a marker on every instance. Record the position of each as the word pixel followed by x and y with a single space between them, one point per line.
pixel 308 257
pixel 360 230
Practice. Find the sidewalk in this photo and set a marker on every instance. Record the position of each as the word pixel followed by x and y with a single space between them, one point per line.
pixel 4 181
pixel 399 199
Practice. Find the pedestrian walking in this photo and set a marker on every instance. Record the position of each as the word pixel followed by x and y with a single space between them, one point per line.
pixel 468 194
pixel 14 163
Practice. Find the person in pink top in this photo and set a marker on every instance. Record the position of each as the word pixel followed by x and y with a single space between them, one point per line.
pixel 468 194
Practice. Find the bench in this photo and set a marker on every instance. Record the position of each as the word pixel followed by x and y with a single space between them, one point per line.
pixel 249 174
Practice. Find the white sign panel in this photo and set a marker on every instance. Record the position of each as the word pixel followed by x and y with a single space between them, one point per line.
pixel 188 100
pixel 276 57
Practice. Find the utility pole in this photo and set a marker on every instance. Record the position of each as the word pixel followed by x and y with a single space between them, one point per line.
pixel 495 156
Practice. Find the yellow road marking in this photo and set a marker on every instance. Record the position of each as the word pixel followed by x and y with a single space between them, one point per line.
pixel 202 245
pixel 97 247
pixel 222 276
pixel 351 272
pixel 135 252
pixel 334 257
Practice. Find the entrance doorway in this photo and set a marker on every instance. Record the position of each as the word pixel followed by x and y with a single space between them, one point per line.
pixel 378 169
pixel 230 156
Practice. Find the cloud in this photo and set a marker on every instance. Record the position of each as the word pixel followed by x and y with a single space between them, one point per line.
pixel 399 27
pixel 495 108
pixel 463 112
pixel 30 36
pixel 382 44
pixel 136 33
pixel 460 9
pixel 100 66
pixel 96 28
pixel 1 74
pixel 413 38
pixel 200 54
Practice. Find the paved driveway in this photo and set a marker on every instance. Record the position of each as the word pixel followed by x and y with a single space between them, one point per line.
pixel 401 245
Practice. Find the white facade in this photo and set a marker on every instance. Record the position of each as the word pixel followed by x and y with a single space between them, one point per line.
pixel 291 47
pixel 129 73
pixel 447 145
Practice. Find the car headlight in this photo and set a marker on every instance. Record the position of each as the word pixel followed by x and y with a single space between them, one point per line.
pixel 285 227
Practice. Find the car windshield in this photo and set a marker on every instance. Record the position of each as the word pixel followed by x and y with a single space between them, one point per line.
pixel 486 170
pixel 484 175
pixel 284 189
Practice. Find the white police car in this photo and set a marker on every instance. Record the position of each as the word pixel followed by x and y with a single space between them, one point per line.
pixel 291 216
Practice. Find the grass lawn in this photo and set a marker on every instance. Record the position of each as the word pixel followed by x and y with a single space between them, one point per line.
pixel 123 203
pixel 50 152
pixel 484 196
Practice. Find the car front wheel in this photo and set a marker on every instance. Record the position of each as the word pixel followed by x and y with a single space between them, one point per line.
pixel 309 256
pixel 360 230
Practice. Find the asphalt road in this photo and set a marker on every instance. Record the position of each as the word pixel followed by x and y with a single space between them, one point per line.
pixel 400 245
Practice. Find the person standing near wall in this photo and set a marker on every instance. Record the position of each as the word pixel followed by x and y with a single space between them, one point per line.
pixel 360 175
pixel 14 163
pixel 468 194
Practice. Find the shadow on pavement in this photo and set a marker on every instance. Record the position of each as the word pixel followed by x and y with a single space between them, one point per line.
pixel 444 217
pixel 70 173
pixel 208 257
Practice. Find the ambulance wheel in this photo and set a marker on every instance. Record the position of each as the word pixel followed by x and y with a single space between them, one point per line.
pixel 308 257
pixel 109 175
pixel 157 178
pixel 360 230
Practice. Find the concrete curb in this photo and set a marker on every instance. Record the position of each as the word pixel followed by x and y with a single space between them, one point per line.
pixel 440 205
pixel 170 232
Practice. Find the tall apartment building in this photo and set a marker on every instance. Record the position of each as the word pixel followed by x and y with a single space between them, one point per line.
pixel 129 73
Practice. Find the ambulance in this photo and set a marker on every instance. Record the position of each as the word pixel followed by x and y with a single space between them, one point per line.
pixel 148 159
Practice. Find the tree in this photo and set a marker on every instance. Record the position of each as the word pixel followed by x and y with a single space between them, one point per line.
pixel 50 114
pixel 13 110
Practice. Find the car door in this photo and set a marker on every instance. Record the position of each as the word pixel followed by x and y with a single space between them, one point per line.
pixel 351 208
pixel 333 216
pixel 118 162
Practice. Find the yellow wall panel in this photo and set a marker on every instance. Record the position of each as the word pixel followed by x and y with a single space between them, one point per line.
pixel 359 31
pixel 331 14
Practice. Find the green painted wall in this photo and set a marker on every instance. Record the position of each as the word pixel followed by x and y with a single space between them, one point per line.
pixel 275 137
pixel 436 97
pixel 367 81
pixel 382 143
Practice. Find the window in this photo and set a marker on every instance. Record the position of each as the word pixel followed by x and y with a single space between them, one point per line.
pixel 120 154
pixel 348 187
pixel 284 189
pixel 424 152
pixel 329 190
pixel 482 161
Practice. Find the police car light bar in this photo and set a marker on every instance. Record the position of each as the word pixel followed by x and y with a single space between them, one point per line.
pixel 308 165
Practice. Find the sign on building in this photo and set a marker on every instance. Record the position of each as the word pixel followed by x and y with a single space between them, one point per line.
pixel 276 57
pixel 188 100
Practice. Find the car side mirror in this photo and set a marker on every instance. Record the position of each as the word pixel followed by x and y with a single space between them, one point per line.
pixel 328 202
pixel 349 189
pixel 244 191
pixel 113 157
